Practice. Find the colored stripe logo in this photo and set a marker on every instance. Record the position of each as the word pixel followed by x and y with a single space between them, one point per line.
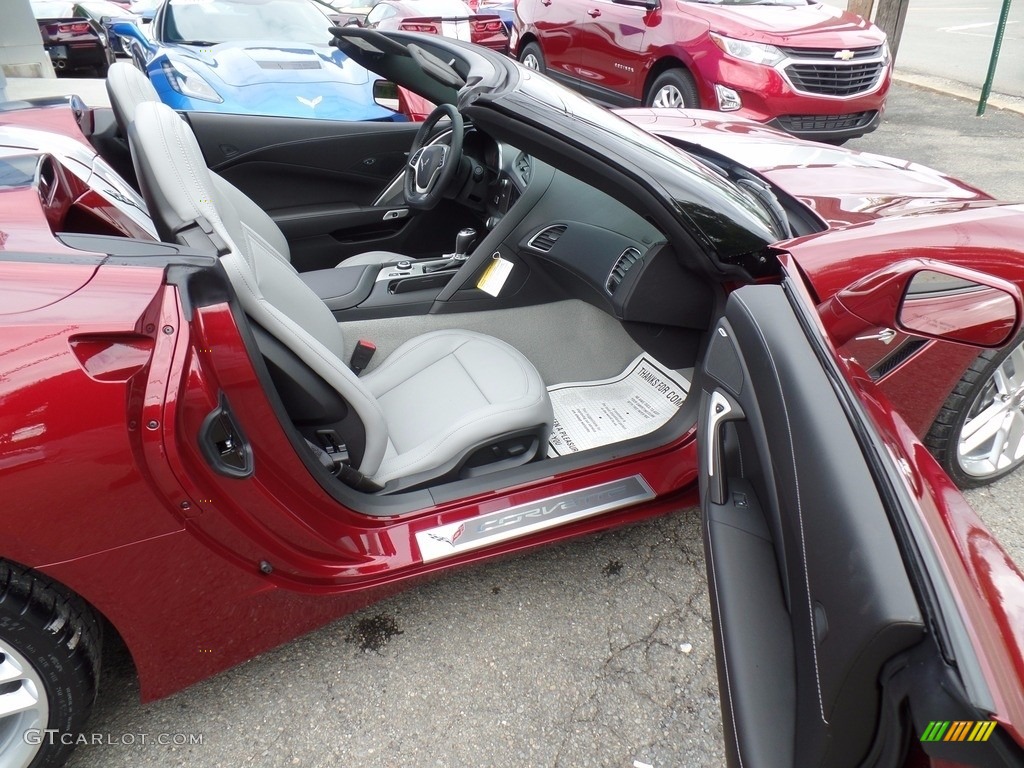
pixel 958 730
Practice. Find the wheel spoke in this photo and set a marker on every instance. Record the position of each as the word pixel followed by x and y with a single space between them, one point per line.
pixel 9 671
pixel 1013 369
pixel 979 430
pixel 22 699
pixel 998 445
pixel 1013 445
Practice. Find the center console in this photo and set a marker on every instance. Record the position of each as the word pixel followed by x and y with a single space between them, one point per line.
pixel 395 288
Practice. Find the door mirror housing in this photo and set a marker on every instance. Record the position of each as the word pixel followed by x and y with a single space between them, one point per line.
pixel 127 30
pixel 931 299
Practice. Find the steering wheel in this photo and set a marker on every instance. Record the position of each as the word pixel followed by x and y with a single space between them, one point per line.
pixel 431 168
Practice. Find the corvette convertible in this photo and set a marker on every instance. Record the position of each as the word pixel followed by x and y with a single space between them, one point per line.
pixel 254 57
pixel 314 363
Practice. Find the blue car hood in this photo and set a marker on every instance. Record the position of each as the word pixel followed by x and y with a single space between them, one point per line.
pixel 257 63
pixel 265 78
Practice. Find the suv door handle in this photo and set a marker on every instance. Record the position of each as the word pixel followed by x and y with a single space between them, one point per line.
pixel 545 2
pixel 594 13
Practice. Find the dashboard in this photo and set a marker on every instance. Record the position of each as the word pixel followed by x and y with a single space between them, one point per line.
pixel 591 245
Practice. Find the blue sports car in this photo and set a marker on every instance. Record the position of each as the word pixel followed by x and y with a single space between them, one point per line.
pixel 252 57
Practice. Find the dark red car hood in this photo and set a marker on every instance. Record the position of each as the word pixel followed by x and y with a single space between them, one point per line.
pixel 805 26
pixel 842 186
pixel 848 190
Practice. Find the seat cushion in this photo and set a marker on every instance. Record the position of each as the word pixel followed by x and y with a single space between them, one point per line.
pixel 447 392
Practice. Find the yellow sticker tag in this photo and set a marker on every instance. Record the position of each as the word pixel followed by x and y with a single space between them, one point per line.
pixel 494 277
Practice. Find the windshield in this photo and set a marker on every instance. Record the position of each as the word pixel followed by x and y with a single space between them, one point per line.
pixel 100 8
pixel 209 22
pixel 755 2
pixel 51 10
pixel 722 211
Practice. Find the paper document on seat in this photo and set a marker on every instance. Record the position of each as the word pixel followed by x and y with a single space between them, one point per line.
pixel 589 414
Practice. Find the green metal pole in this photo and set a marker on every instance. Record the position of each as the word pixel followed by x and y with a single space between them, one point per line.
pixel 996 46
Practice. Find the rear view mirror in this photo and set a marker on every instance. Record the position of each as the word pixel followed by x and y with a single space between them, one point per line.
pixel 951 308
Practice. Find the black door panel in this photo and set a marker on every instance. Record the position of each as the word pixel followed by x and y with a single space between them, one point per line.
pixel 320 180
pixel 809 591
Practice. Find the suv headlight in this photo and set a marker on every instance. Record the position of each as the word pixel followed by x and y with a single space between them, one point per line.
pixel 758 53
pixel 185 81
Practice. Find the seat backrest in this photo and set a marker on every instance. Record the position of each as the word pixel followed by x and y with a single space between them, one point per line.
pixel 127 87
pixel 180 191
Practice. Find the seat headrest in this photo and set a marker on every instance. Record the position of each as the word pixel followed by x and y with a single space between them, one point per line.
pixel 127 87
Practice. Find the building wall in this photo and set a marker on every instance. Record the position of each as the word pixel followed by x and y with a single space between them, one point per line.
pixel 21 49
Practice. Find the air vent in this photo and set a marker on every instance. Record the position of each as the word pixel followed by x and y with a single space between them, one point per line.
pixel 523 166
pixel 545 240
pixel 629 257
pixel 289 64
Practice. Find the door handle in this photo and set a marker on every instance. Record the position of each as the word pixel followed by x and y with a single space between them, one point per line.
pixel 223 445
pixel 722 408
pixel 545 2
pixel 594 13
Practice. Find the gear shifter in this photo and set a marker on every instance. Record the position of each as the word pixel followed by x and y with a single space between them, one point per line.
pixel 464 241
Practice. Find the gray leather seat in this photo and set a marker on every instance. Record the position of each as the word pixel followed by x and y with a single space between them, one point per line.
pixel 127 87
pixel 430 405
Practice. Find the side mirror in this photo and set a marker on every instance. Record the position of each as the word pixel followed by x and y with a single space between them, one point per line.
pixel 930 299
pixel 385 94
pixel 128 30
pixel 353 21
pixel 941 307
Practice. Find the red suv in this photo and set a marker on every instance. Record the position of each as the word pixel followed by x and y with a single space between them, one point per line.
pixel 807 68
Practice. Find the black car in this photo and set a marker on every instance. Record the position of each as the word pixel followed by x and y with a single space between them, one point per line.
pixel 73 39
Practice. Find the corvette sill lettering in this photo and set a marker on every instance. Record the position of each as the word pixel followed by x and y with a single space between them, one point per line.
pixel 454 538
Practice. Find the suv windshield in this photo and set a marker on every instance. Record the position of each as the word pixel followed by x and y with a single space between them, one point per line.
pixel 208 22
pixel 755 2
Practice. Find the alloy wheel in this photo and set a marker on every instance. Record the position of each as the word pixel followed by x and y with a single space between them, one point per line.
pixel 669 96
pixel 992 438
pixel 530 62
pixel 23 706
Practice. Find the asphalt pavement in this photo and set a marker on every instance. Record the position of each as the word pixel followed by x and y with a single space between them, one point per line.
pixel 592 653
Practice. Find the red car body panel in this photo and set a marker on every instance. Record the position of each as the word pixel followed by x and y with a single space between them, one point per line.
pixel 988 586
pixel 848 190
pixel 614 52
pixel 107 379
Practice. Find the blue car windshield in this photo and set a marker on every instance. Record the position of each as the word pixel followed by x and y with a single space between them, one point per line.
pixel 209 22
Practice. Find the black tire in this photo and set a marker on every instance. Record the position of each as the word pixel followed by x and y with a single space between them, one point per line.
pixel 533 50
pixel 60 639
pixel 683 83
pixel 972 391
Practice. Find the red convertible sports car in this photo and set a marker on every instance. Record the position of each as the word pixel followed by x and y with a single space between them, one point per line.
pixel 269 392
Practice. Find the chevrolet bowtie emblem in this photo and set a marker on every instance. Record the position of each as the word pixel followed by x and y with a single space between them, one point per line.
pixel 311 103
pixel 845 54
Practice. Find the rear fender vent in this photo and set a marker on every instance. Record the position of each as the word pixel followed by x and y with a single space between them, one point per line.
pixel 629 257
pixel 545 240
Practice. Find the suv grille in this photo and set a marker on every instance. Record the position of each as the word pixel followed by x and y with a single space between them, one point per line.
pixel 818 71
pixel 805 123
pixel 829 54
